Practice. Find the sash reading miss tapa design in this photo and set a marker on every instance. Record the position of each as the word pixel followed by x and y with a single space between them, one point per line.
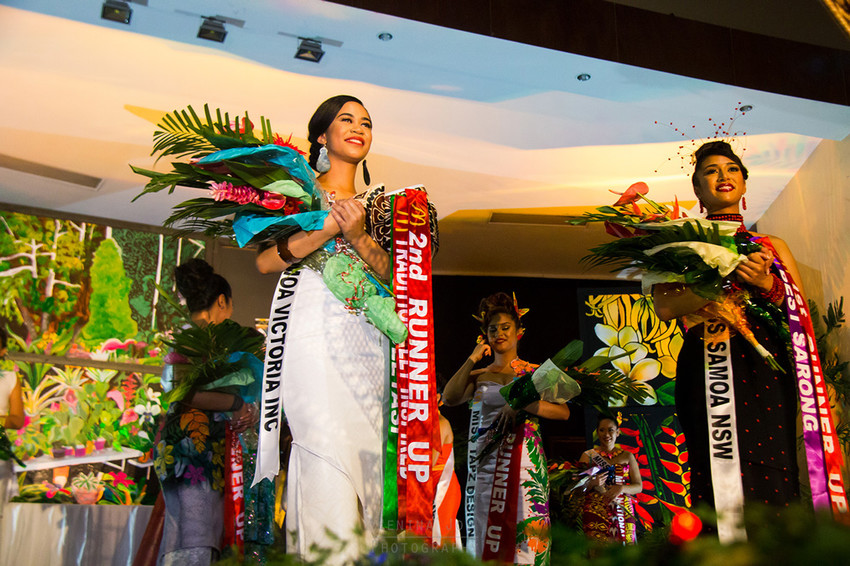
pixel 413 432
pixel 271 407
pixel 472 474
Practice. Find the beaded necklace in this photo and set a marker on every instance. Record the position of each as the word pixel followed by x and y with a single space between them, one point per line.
pixel 609 455
pixel 739 218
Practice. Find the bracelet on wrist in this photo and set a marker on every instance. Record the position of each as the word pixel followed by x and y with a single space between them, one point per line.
pixel 238 402
pixel 776 294
pixel 285 254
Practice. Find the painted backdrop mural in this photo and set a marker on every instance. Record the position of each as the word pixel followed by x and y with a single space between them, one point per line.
pixel 85 322
pixel 614 323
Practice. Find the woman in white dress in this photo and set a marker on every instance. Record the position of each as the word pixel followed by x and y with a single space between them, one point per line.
pixel 335 363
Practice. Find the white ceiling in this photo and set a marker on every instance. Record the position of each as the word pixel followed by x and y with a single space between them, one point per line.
pixel 486 124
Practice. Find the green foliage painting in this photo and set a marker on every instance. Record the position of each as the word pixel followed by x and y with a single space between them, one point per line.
pixel 85 321
pixel 110 297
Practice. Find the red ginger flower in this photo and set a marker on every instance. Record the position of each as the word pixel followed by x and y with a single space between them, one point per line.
pixel 240 195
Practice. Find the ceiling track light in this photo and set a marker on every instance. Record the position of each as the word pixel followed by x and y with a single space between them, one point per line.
pixel 309 50
pixel 212 29
pixel 116 11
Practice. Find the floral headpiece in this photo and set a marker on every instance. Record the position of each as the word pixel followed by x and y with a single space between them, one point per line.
pixel 482 338
pixel 723 131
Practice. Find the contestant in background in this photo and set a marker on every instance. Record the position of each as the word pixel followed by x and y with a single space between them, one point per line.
pixel 512 499
pixel 765 402
pixel 189 455
pixel 608 513
pixel 335 365
pixel 11 417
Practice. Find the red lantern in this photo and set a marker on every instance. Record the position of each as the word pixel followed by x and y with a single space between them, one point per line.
pixel 685 526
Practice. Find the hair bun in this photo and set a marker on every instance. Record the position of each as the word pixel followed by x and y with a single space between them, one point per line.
pixel 199 284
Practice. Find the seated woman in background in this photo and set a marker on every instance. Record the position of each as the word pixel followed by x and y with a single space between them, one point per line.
pixel 608 514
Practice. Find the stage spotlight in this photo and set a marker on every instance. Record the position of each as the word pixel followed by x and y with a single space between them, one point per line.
pixel 116 11
pixel 309 50
pixel 213 30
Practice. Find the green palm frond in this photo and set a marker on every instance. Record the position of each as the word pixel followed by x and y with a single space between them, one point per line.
pixel 183 133
pixel 599 386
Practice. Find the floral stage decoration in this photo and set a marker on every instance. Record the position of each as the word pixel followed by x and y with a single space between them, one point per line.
pixel 668 247
pixel 86 328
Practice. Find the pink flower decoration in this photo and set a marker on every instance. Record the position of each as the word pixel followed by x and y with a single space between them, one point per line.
pixel 195 475
pixel 240 195
pixel 128 416
pixel 117 397
pixel 70 397
pixel 120 478
pixel 175 358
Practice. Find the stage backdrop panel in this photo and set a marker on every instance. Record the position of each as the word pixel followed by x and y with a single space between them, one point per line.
pixel 86 324
pixel 615 321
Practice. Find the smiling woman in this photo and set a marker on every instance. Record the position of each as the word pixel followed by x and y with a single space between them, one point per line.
pixel 511 517
pixel 738 412
pixel 335 355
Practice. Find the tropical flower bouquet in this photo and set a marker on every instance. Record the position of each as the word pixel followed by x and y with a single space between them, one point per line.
pixel 259 185
pixel 557 380
pixel 668 247
pixel 259 188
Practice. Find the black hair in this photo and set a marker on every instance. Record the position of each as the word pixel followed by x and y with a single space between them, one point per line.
pixel 715 148
pixel 606 417
pixel 322 118
pixel 497 303
pixel 200 285
pixel 4 338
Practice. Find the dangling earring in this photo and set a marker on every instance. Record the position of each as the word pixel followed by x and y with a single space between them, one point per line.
pixel 744 202
pixel 701 207
pixel 323 163
pixel 366 177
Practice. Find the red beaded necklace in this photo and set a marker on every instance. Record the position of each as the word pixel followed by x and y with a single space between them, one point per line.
pixel 729 218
